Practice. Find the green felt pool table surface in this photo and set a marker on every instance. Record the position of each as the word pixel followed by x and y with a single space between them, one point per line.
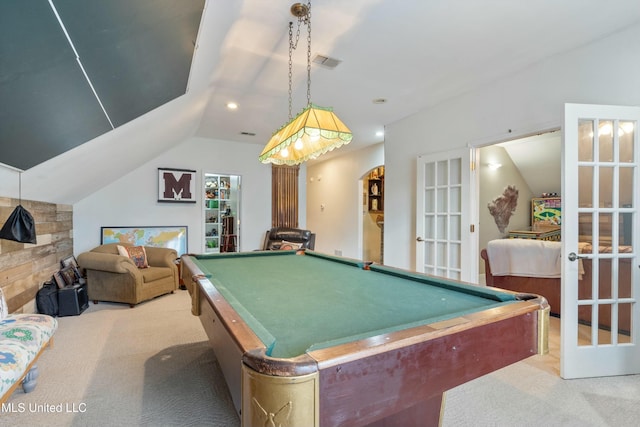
pixel 297 303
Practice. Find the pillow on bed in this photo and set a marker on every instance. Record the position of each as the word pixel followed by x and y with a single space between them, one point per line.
pixel 137 254
pixel 289 246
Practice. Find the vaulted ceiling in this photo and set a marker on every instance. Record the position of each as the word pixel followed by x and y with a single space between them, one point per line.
pixel 73 70
pixel 157 87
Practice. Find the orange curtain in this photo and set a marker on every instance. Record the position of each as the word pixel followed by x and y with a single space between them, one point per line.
pixel 284 196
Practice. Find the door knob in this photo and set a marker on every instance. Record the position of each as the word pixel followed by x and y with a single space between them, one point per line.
pixel 573 256
pixel 419 239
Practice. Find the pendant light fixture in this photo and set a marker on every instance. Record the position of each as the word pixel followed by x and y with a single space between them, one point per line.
pixel 314 131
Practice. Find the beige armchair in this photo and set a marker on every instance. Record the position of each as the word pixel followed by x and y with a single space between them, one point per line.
pixel 113 277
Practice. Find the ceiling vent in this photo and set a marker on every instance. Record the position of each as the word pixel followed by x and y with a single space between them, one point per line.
pixel 326 62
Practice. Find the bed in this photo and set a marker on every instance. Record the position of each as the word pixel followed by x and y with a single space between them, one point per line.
pixel 548 284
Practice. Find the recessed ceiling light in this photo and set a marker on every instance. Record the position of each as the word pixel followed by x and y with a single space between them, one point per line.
pixel 232 105
pixel 380 133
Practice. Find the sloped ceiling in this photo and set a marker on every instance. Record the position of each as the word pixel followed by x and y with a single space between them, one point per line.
pixel 538 161
pixel 72 70
pixel 415 54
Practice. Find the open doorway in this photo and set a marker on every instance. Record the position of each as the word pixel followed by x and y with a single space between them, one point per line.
pixel 373 215
pixel 532 166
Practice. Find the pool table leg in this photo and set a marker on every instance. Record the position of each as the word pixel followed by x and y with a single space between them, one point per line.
pixel 282 401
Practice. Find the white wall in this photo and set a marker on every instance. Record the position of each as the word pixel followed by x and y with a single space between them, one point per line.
pixel 132 199
pixel 606 72
pixel 492 184
pixel 335 184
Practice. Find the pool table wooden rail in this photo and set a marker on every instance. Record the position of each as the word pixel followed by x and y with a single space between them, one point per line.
pixel 385 342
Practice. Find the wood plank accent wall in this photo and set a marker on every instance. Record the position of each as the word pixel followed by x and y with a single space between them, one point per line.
pixel 284 196
pixel 24 267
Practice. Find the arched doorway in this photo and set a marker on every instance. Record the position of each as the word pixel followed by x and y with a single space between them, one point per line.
pixel 373 215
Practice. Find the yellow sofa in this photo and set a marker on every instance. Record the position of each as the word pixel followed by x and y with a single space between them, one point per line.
pixel 114 277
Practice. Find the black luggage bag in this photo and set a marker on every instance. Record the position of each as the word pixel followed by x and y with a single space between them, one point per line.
pixel 47 299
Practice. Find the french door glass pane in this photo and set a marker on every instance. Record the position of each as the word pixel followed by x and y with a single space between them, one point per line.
pixel 454 253
pixel 429 201
pixel 442 171
pixel 441 249
pixel 455 200
pixel 441 228
pixel 626 229
pixel 586 285
pixel 624 277
pixel 454 229
pixel 429 175
pixel 626 188
pixel 606 187
pixel 627 134
pixel 604 229
pixel 585 222
pixel 429 229
pixel 585 140
pixel 456 172
pixel 605 141
pixel 604 318
pixel 585 186
pixel 585 333
pixel 429 253
pixel 442 204
pixel 624 321
pixel 605 283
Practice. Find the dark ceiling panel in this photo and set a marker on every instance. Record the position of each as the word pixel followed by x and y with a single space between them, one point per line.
pixel 49 112
pixel 137 53
pixel 46 107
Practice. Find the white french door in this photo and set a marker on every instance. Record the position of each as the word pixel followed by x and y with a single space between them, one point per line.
pixel 443 227
pixel 600 279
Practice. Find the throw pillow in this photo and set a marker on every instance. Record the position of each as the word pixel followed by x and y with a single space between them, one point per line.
pixel 289 246
pixel 4 310
pixel 137 254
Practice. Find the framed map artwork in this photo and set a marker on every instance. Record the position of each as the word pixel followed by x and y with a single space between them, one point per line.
pixel 174 237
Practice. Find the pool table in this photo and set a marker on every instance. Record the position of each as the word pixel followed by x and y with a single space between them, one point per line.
pixel 307 339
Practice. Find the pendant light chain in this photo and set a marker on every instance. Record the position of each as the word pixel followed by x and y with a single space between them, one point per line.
pixel 308 19
pixel 292 46
pixel 291 62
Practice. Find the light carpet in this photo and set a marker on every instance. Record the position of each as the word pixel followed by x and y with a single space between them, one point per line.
pixel 152 366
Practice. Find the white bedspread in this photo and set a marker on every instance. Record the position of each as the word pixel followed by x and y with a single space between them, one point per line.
pixel 525 257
